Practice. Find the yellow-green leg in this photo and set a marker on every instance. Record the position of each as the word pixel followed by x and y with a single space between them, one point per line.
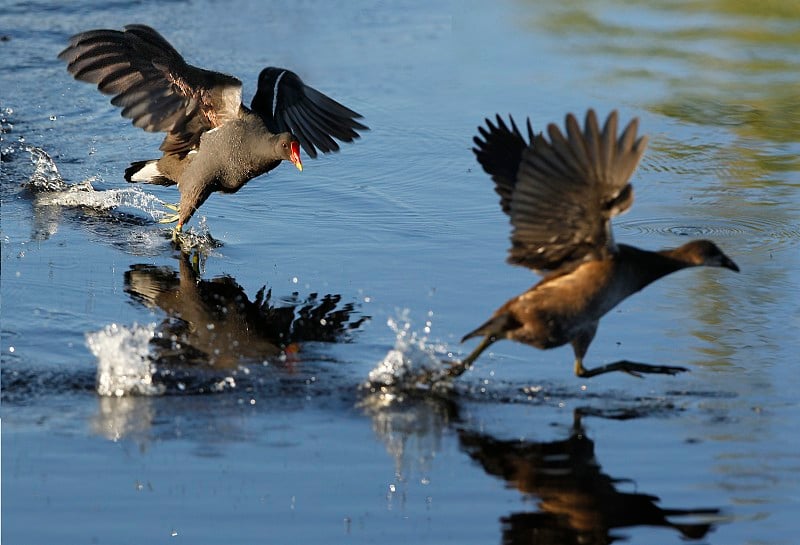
pixel 172 218
pixel 176 232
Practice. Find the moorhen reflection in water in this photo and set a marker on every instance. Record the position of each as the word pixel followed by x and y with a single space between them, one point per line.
pixel 213 323
pixel 579 504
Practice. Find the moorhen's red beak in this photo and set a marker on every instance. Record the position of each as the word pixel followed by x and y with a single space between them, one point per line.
pixel 295 156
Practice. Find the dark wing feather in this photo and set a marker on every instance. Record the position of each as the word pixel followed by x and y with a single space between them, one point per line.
pixel 567 190
pixel 499 149
pixel 153 84
pixel 286 104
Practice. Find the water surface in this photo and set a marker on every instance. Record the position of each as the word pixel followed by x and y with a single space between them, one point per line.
pixel 147 398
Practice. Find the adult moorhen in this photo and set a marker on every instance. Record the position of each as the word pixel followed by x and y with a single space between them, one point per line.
pixel 213 142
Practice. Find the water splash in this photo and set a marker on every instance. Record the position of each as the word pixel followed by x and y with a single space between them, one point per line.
pixel 45 175
pixel 83 194
pixel 414 356
pixel 124 366
pixel 128 363
pixel 121 204
pixel 52 190
pixel 198 238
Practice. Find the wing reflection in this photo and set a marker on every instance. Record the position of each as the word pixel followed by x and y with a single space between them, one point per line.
pixel 578 502
pixel 214 323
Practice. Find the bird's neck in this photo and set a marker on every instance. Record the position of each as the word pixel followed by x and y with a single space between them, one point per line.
pixel 645 267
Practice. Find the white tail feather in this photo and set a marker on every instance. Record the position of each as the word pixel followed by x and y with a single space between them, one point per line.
pixel 147 172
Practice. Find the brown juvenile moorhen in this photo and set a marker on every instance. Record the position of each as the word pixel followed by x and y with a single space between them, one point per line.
pixel 561 194
pixel 213 142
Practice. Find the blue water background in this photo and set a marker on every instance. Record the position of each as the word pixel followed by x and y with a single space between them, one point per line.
pixel 405 225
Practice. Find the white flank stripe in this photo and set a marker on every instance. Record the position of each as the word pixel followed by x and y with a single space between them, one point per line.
pixel 275 93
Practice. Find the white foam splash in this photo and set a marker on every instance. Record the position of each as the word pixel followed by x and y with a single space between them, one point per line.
pixel 52 190
pixel 123 360
pixel 84 194
pixel 199 238
pixel 412 356
pixel 45 175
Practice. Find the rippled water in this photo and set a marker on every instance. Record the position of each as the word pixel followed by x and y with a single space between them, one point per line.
pixel 234 393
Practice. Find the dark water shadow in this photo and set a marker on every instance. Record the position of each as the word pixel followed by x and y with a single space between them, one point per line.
pixel 577 503
pixel 214 331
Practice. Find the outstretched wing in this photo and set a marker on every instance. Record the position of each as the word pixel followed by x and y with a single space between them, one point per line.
pixel 499 149
pixel 567 189
pixel 153 84
pixel 286 104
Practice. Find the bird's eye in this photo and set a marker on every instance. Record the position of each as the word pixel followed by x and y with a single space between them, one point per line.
pixel 284 145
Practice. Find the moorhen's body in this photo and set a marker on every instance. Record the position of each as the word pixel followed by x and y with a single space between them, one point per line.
pixel 560 194
pixel 213 142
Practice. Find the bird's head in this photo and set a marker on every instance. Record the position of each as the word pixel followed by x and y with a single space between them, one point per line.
pixel 289 148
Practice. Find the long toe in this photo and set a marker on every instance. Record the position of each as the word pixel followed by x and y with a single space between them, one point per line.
pixel 174 207
pixel 172 218
pixel 632 368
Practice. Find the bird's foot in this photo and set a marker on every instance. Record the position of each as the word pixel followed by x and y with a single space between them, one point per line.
pixel 630 367
pixel 176 234
pixel 172 218
pixel 436 375
pixel 174 207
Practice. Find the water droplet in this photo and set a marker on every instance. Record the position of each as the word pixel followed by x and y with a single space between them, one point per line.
pixel 295 280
